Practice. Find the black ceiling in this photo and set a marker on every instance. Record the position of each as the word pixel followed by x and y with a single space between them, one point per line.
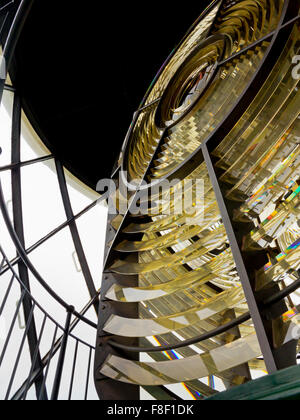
pixel 83 67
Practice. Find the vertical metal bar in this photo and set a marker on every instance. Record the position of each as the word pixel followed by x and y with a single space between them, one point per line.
pixel 19 353
pixel 2 265
pixel 73 370
pixel 35 357
pixel 75 234
pixel 48 363
pixel 6 295
pixel 19 228
pixel 88 375
pixel 253 308
pixel 62 355
pixel 16 29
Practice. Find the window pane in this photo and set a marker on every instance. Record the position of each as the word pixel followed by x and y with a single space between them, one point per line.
pixel 31 145
pixel 5 128
pixel 56 263
pixel 92 230
pixel 5 239
pixel 80 195
pixel 43 209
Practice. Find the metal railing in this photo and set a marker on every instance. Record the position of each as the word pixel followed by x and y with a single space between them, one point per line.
pixel 59 341
pixel 40 328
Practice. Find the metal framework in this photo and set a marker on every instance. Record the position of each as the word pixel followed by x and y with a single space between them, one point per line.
pixel 12 17
pixel 13 14
pixel 264 308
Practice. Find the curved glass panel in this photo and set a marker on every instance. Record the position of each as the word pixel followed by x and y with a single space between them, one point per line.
pixel 182 268
pixel 214 92
pixel 217 269
pixel 163 373
pixel 158 326
pixel 145 136
pixel 197 35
